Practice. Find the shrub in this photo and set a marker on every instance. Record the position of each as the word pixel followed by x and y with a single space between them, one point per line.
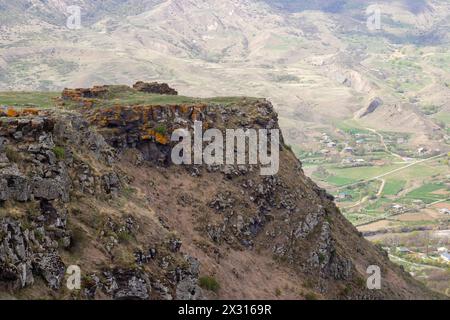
pixel 360 282
pixel 209 283
pixel 311 296
pixel 321 257
pixel 59 152
pixel 124 236
pixel 277 292
pixel 161 129
pixel 12 154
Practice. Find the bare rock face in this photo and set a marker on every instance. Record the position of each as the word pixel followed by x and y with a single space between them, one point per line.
pixel 50 266
pixel 28 252
pixel 187 281
pixel 15 254
pixel 374 104
pixel 154 87
pixel 14 185
pixel 128 284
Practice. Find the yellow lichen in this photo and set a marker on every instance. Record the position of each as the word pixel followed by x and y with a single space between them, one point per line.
pixel 11 112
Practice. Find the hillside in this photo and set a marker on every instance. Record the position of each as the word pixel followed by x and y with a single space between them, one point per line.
pixel 86 179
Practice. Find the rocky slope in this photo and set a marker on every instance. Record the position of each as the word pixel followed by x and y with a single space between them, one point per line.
pixel 92 185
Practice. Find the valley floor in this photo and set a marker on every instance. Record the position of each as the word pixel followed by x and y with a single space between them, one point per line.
pixel 400 201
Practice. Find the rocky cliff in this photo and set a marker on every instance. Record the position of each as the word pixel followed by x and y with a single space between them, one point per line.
pixel 91 184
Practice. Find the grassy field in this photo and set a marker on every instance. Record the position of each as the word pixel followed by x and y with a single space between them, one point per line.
pixel 340 181
pixel 116 96
pixel 343 176
pixel 393 187
pixel 427 194
pixel 29 99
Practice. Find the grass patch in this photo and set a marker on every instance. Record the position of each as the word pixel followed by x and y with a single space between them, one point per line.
pixel 124 236
pixel 59 152
pixel 28 99
pixel 12 154
pixel 351 127
pixel 277 292
pixel 161 129
pixel 311 296
pixel 209 283
pixel 340 181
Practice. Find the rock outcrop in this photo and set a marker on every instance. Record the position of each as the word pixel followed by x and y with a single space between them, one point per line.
pixel 154 87
pixel 374 104
pixel 96 187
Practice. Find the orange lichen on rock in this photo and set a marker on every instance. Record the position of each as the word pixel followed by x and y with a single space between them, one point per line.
pixel 152 134
pixel 30 112
pixel 185 109
pixel 161 139
pixel 11 112
pixel 147 122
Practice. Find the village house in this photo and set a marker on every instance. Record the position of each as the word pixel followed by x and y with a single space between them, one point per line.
pixel 403 250
pixel 348 149
pixel 446 257
pixel 397 208
pixel 344 196
pixel 442 250
pixel 347 161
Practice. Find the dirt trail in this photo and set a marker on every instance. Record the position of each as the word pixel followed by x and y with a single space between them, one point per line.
pixel 384 143
pixel 380 191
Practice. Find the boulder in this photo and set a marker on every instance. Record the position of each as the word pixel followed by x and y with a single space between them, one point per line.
pixel 50 266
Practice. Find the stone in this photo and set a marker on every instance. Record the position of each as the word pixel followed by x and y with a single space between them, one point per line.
pixel 162 291
pixel 312 219
pixel 175 245
pixel 15 256
pixel 111 183
pixel 128 284
pixel 50 266
pixel 48 189
pixel 13 185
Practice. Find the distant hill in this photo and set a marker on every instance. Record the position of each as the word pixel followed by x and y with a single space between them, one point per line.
pixel 304 55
